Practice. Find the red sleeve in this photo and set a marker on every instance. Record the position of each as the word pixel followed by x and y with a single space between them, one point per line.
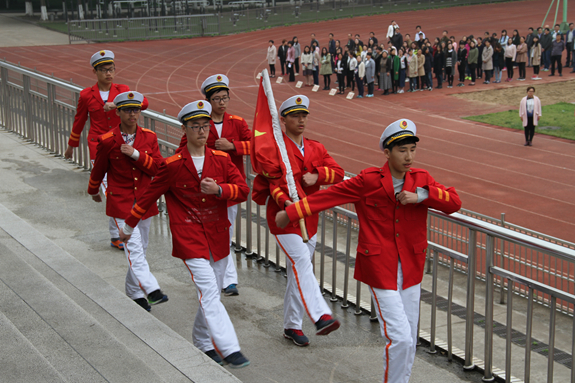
pixel 149 163
pixel 159 185
pixel 79 121
pixel 243 147
pixel 348 191
pixel 101 165
pixel 235 189
pixel 442 198
pixel 277 194
pixel 329 172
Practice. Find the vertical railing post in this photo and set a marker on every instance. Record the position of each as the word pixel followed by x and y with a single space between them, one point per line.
pixel 433 303
pixel 528 332
pixel 509 325
pixel 29 133
pixel 344 303
pixel 551 354
pixel 334 259
pixel 52 146
pixel 471 266
pixel 249 251
pixel 449 304
pixel 322 254
pixel 6 118
pixel 488 356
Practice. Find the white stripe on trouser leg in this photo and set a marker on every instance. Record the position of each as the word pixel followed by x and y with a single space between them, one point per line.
pixel 231 275
pixel 114 232
pixel 398 313
pixel 139 279
pixel 212 326
pixel 302 290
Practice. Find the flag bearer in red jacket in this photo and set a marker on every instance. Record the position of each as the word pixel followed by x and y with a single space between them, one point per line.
pixel 231 134
pixel 97 102
pixel 391 204
pixel 130 156
pixel 312 167
pixel 198 183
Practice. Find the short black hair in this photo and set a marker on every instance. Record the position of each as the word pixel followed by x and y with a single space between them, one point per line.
pixel 530 87
pixel 403 141
pixel 419 26
pixel 212 92
pixel 271 41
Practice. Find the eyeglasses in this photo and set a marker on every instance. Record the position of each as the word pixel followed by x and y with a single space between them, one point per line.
pixel 104 70
pixel 197 128
pixel 221 99
pixel 130 110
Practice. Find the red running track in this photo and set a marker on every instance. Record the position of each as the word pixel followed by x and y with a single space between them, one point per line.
pixel 492 170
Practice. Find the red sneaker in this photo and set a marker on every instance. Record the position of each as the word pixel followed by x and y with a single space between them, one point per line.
pixel 326 324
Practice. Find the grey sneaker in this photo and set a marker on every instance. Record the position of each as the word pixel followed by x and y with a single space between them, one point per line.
pixel 215 357
pixel 237 360
pixel 231 290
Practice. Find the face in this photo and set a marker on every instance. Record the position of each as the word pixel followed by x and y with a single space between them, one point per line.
pixel 197 131
pixel 295 123
pixel 558 37
pixel 219 101
pixel 400 158
pixel 105 73
pixel 128 116
pixel 530 93
pixel 271 43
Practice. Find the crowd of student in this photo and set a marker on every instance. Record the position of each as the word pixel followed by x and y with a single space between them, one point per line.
pixel 402 64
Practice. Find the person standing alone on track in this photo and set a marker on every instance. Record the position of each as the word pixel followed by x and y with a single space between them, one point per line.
pixel 530 113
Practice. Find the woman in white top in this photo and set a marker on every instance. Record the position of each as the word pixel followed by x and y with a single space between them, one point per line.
pixel 307 65
pixel 529 113
pixel 272 54
pixel 510 54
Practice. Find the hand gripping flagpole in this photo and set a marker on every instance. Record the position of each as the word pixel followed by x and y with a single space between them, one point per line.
pixel 278 135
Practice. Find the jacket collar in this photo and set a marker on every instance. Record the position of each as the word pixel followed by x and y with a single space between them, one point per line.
pixel 111 96
pixel 189 162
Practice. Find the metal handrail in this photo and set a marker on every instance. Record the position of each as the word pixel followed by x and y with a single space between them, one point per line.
pixel 466 244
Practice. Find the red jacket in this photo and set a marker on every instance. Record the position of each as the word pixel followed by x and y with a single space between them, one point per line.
pixel 127 178
pixel 316 160
pixel 199 222
pixel 91 103
pixel 389 231
pixel 236 130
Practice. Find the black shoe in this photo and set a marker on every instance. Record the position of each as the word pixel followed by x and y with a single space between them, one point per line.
pixel 157 297
pixel 143 302
pixel 439 87
pixel 296 336
pixel 237 360
pixel 551 75
pixel 215 357
pixel 560 74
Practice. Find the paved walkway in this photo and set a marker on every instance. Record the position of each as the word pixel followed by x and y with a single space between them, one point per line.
pixel 16 33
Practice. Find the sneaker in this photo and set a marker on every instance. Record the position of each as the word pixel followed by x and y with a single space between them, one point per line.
pixel 537 78
pixel 551 75
pixel 533 77
pixel 156 297
pixel 359 96
pixel 115 242
pixel 401 91
pixel 231 290
pixel 326 324
pixel 521 79
pixel 449 86
pixel 215 357
pixel 237 360
pixel 143 303
pixel 369 95
pixel 297 337
pixel 503 70
pixel 545 70
pixel 430 89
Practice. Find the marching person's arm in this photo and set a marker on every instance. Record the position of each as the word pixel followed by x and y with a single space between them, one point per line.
pixel 243 146
pixel 329 172
pixel 149 163
pixel 235 188
pixel 441 198
pixel 159 185
pixel 99 170
pixel 349 191
pixel 276 193
pixel 79 123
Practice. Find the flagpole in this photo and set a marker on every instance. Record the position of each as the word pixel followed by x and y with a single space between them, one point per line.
pixel 278 135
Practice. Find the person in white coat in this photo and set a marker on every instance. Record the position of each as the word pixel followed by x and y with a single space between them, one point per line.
pixel 529 113
pixel 272 54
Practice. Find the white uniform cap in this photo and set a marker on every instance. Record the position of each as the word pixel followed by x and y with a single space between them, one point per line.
pixel 102 57
pixel 195 109
pixel 215 82
pixel 398 130
pixel 129 99
pixel 293 104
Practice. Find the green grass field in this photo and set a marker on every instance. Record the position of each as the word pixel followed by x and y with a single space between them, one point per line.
pixel 560 115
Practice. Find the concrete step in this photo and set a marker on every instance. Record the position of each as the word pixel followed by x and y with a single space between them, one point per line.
pixel 70 339
pixel 83 327
pixel 17 351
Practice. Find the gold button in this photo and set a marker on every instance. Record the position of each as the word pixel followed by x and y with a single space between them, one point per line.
pixel 116 157
pixel 111 193
pixel 136 178
pixel 203 200
pixel 397 235
pixel 179 156
pixel 185 186
pixel 146 151
pixel 397 220
pixel 136 188
pixel 133 168
pixel 367 251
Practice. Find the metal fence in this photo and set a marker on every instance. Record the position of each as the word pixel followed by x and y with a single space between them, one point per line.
pixel 239 16
pixel 41 109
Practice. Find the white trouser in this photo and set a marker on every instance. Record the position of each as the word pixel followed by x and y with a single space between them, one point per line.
pixel 398 314
pixel 139 279
pixel 231 275
pixel 213 326
pixel 114 232
pixel 302 292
